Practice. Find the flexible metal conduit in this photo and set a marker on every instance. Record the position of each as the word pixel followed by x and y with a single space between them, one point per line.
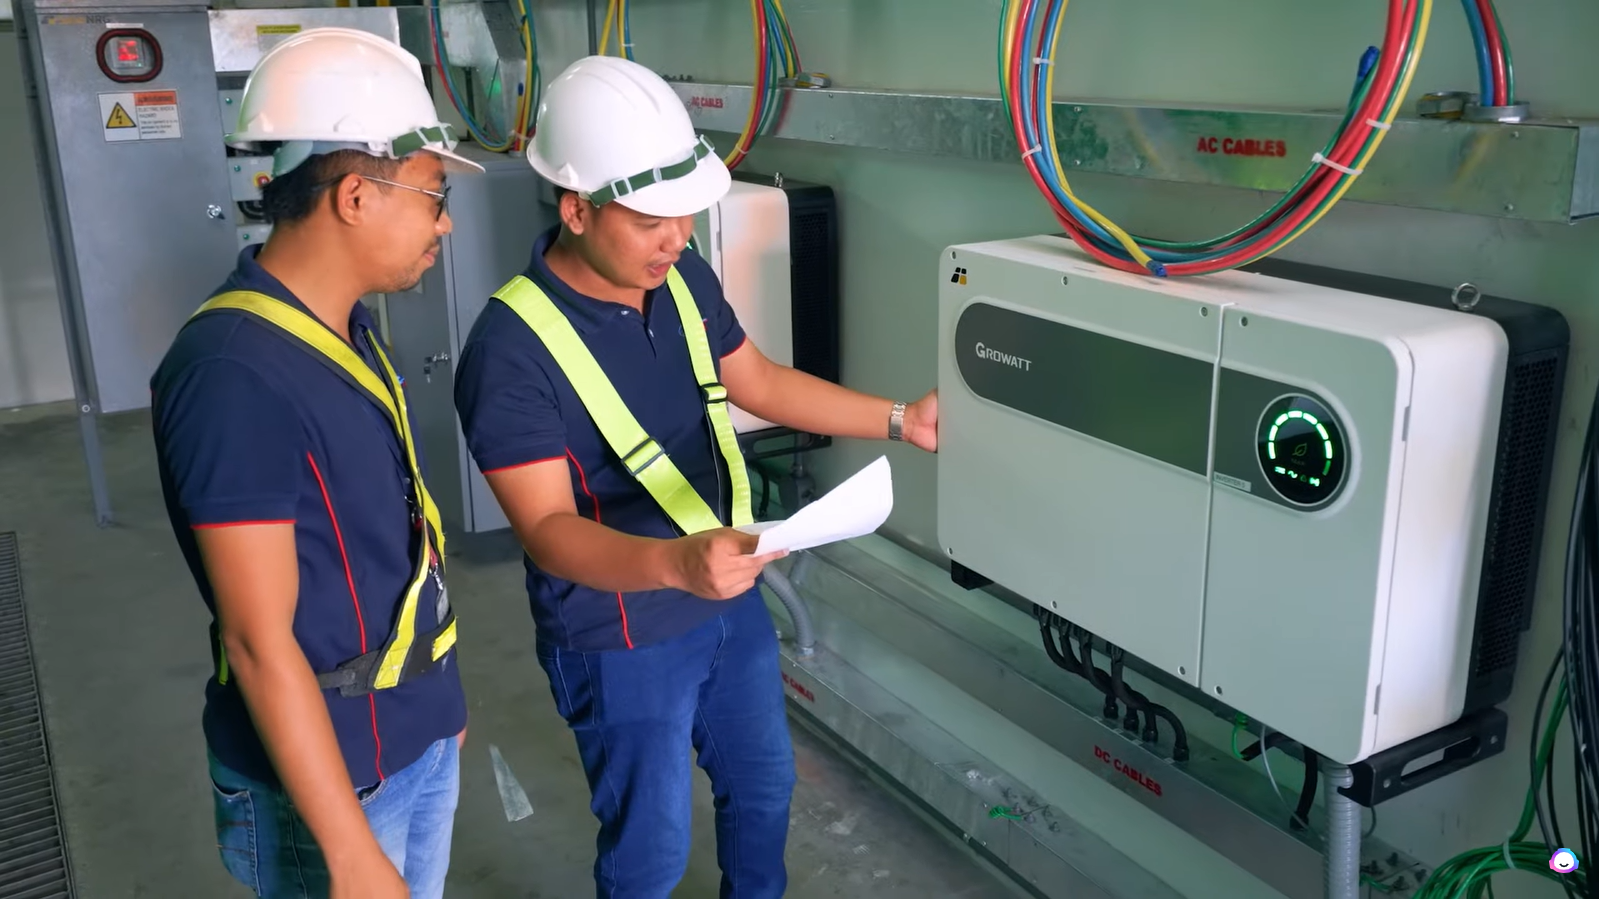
pixel 1343 836
pixel 784 587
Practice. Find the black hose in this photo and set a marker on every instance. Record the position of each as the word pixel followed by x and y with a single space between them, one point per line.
pixel 1047 632
pixel 766 493
pixel 1307 792
pixel 1274 740
pixel 1151 710
pixel 1100 679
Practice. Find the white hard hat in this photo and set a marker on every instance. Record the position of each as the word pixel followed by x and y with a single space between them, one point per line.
pixel 328 89
pixel 611 129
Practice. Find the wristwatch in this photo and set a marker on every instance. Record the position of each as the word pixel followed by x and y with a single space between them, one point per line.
pixel 896 422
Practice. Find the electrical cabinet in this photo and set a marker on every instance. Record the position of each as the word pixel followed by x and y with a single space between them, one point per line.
pixel 774 246
pixel 129 143
pixel 1275 491
pixel 496 216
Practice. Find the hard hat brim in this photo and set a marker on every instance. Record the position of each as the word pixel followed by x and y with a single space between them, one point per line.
pixel 454 162
pixel 689 195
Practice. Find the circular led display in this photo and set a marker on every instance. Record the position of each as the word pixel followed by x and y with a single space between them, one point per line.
pixel 1302 451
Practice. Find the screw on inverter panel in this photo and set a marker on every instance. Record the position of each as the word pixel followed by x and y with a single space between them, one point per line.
pixel 1064 281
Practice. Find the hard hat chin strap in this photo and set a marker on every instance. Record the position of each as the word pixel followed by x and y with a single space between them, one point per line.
pixel 621 187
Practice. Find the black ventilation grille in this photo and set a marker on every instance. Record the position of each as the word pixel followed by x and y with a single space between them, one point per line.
pixel 1511 551
pixel 813 241
pixel 33 859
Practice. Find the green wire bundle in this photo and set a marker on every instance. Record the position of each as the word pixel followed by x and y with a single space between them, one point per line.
pixel 1469 874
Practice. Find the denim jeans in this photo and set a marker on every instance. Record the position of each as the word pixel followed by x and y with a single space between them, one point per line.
pixel 637 714
pixel 268 848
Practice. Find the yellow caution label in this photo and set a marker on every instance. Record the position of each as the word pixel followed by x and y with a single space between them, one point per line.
pixel 119 118
pixel 277 29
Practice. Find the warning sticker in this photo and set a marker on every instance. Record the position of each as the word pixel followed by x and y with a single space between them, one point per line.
pixel 140 115
pixel 269 36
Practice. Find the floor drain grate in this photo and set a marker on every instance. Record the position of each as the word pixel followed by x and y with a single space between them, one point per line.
pixel 33 855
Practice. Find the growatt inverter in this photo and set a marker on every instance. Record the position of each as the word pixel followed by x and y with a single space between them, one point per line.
pixel 1279 492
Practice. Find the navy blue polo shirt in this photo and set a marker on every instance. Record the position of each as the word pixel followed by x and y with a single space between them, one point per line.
pixel 251 428
pixel 518 408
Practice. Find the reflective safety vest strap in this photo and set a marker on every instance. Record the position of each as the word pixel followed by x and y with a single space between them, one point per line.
pixel 643 457
pixel 396 660
pixel 715 395
pixel 364 674
pixel 327 348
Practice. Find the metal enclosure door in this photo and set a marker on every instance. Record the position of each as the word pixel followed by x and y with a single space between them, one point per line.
pixel 140 223
pixel 496 216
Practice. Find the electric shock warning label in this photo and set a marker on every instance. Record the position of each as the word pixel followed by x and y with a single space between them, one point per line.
pixel 140 115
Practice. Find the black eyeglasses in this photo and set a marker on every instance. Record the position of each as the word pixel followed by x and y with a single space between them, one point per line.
pixel 442 196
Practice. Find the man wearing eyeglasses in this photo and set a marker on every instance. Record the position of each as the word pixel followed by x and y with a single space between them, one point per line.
pixel 292 478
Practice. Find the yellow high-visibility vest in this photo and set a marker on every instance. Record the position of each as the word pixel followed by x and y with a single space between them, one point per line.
pixel 643 457
pixel 394 662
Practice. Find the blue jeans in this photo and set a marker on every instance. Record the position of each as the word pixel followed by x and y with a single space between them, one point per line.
pixel 636 714
pixel 268 848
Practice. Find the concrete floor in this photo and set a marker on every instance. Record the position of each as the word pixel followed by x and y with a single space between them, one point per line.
pixel 119 639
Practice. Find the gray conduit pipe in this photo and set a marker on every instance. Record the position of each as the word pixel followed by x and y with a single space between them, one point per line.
pixel 1343 835
pixel 804 631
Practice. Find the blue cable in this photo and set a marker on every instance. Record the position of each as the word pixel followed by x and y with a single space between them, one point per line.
pixel 471 123
pixel 1485 66
pixel 1034 129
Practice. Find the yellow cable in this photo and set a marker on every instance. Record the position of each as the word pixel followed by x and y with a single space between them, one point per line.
pixel 605 32
pixel 790 68
pixel 524 112
pixel 1008 44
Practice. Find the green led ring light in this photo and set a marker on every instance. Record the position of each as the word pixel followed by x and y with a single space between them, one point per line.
pixel 1301 450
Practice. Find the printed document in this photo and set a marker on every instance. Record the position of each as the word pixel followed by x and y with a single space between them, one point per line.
pixel 857 507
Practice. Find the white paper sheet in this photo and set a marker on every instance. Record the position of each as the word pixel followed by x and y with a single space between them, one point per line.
pixel 854 508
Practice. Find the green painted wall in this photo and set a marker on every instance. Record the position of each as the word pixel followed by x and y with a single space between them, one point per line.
pixel 898 212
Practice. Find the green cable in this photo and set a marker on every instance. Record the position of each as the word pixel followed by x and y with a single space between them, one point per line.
pixel 1510 66
pixel 1468 875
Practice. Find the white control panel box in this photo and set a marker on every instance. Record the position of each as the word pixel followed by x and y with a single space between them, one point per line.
pixel 1273 491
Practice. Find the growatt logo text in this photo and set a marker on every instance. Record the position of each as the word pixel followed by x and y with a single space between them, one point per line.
pixel 993 355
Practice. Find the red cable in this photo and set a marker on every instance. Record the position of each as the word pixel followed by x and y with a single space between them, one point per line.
pixel 438 58
pixel 1496 52
pixel 1397 40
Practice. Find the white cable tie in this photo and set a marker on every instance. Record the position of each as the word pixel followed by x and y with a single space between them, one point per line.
pixel 1037 148
pixel 1334 165
pixel 1042 61
pixel 627 43
pixel 1509 862
pixel 1381 126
